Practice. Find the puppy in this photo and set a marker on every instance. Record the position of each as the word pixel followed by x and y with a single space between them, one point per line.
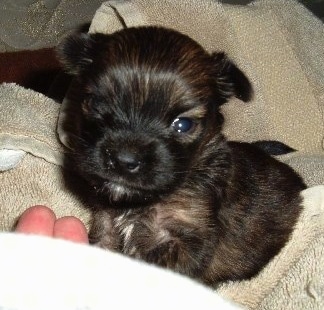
pixel 165 185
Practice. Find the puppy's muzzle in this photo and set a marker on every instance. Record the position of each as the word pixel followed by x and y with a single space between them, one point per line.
pixel 137 161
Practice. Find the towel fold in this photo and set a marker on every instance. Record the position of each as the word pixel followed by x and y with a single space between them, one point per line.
pixel 30 149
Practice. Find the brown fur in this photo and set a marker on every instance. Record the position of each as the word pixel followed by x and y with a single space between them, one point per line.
pixel 165 185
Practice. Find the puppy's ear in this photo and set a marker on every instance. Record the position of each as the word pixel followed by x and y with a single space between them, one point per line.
pixel 76 52
pixel 231 80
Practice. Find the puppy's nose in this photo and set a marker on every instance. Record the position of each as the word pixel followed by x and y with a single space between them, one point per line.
pixel 128 161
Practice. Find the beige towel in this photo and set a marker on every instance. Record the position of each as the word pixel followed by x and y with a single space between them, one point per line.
pixel 28 122
pixel 28 125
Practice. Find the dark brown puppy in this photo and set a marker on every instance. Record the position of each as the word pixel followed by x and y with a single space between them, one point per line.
pixel 167 188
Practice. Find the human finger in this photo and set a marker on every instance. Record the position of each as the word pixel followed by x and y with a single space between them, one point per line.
pixel 70 228
pixel 38 220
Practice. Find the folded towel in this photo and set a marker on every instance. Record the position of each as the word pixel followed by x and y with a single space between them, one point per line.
pixel 31 157
pixel 28 122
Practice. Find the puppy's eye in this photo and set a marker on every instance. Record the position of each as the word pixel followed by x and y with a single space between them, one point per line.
pixel 182 124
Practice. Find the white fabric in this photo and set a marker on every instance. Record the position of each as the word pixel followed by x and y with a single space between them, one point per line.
pixel 38 273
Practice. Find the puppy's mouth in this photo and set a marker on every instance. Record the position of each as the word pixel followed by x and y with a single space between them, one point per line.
pixel 118 192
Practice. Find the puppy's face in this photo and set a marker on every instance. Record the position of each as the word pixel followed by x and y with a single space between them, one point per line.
pixel 147 105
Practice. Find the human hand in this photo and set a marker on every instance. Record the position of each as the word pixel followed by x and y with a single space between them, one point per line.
pixel 41 220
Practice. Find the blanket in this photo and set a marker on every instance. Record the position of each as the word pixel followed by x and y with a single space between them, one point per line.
pixel 31 157
pixel 280 46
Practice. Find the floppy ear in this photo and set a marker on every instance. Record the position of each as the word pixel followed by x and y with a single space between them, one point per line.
pixel 231 81
pixel 76 52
